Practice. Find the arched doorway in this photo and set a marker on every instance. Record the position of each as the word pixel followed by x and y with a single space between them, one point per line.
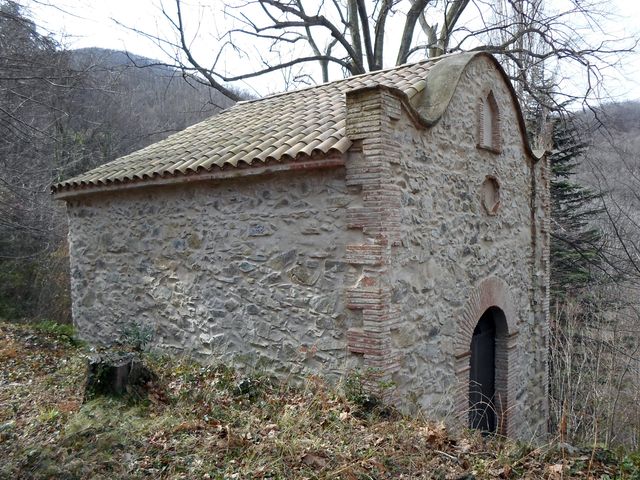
pixel 487 345
pixel 490 297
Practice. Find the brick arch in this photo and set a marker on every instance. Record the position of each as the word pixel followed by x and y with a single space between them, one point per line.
pixel 492 292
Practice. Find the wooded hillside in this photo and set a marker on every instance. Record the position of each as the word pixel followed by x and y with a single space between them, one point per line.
pixel 62 113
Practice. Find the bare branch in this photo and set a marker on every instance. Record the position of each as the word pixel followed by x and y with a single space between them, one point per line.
pixel 414 13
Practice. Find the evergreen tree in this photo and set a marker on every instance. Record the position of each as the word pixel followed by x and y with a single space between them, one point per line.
pixel 575 241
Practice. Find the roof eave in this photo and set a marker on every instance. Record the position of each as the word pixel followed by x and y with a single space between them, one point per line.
pixel 334 160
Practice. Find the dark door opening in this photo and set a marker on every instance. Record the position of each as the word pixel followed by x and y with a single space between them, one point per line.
pixel 482 376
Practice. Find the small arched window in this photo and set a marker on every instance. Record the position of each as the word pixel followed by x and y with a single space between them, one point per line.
pixel 489 124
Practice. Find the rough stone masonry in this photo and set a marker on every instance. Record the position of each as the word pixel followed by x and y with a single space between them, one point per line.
pixel 366 224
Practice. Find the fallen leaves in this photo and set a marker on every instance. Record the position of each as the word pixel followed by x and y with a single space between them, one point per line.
pixel 555 471
pixel 435 434
pixel 228 439
pixel 209 422
pixel 68 405
pixel 8 351
pixel 315 460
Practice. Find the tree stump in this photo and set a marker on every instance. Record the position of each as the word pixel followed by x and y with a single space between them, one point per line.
pixel 117 374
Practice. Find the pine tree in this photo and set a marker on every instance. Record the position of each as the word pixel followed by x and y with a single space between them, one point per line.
pixel 575 241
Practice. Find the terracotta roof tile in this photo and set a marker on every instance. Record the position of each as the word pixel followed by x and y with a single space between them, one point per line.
pixel 289 125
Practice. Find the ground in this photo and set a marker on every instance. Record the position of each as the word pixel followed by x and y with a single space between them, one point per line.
pixel 201 422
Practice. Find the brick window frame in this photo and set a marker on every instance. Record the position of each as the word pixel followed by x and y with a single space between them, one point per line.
pixel 491 292
pixel 488 135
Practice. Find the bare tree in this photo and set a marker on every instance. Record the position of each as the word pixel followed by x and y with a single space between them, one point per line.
pixel 595 354
pixel 63 112
pixel 611 166
pixel 355 36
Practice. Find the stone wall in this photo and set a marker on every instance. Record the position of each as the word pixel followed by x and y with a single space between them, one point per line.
pixel 457 258
pixel 248 269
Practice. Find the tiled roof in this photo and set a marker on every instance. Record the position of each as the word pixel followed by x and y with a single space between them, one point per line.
pixel 286 126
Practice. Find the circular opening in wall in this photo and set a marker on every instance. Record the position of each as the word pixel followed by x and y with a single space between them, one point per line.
pixel 491 195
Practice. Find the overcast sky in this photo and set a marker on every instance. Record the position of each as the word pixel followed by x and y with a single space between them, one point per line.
pixel 92 23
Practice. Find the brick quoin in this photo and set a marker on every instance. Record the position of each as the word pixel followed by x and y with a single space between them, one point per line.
pixel 369 116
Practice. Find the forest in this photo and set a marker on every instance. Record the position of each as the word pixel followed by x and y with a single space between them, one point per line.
pixel 65 111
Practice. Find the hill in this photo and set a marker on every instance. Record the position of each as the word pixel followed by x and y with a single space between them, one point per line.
pixel 65 112
pixel 129 102
pixel 611 166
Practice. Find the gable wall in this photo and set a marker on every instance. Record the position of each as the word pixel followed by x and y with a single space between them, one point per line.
pixel 248 269
pixel 450 245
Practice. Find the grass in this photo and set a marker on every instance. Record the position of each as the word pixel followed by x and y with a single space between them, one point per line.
pixel 208 422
